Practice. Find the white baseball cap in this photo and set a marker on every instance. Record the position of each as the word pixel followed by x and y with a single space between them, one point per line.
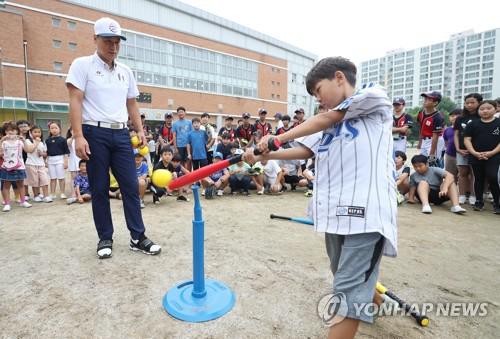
pixel 108 27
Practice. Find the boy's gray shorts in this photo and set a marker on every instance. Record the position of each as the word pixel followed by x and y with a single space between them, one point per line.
pixel 354 261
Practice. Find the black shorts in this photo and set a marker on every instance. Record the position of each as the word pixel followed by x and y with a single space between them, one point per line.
pixel 293 179
pixel 183 153
pixel 434 197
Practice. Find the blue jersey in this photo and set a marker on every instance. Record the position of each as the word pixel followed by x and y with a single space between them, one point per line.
pixel 181 128
pixel 198 140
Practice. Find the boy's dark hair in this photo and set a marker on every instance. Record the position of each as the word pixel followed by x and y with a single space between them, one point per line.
pixel 240 120
pixel 177 157
pixel 326 68
pixel 419 159
pixel 400 154
pixel 82 162
pixel 491 102
pixel 498 101
pixel 235 145
pixel 205 115
pixel 180 108
pixel 286 117
pixel 166 149
pixel 196 119
pixel 476 96
pixel 226 136
pixel 23 122
pixel 456 111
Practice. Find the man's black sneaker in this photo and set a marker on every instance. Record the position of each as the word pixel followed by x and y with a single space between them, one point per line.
pixel 104 249
pixel 496 209
pixel 145 246
pixel 182 198
pixel 478 206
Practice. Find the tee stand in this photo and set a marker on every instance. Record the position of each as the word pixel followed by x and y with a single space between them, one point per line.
pixel 199 299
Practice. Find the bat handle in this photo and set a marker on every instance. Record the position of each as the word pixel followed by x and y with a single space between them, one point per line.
pixel 273 144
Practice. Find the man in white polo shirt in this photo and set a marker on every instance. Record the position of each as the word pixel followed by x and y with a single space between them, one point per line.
pixel 102 96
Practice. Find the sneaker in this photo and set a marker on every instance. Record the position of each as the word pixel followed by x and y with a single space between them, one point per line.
pixel 156 199
pixel 145 246
pixel 203 193
pixel 142 204
pixel 69 201
pixel 293 188
pixel 260 192
pixel 489 197
pixel 104 249
pixel 25 204
pixel 63 196
pixel 496 209
pixel 457 209
pixel 6 208
pixel 38 199
pixel 426 209
pixel 220 193
pixel 47 199
pixel 27 198
pixel 478 206
pixel 472 200
pixel 182 198
pixel 309 193
pixel 462 199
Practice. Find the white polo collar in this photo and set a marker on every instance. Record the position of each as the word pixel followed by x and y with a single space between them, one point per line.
pixel 98 59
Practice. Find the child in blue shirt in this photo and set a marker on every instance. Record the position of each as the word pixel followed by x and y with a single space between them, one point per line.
pixel 81 185
pixel 197 145
pixel 141 169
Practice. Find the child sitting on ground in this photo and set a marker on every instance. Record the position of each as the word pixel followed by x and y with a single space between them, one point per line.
pixel 402 175
pixel 432 185
pixel 81 185
pixel 216 181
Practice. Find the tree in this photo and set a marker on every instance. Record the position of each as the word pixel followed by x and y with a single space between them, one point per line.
pixel 447 105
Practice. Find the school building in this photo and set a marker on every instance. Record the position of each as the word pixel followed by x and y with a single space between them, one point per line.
pixel 180 56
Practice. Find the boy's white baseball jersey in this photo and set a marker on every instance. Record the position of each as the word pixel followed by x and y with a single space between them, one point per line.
pixel 355 190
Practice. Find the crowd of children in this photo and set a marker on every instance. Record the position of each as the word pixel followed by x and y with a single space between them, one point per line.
pixel 470 146
pixel 34 167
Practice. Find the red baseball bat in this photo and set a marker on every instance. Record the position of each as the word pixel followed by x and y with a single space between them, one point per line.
pixel 204 172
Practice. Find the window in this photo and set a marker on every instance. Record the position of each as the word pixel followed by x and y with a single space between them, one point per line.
pixel 56 43
pixel 58 66
pixel 72 45
pixel 303 79
pixel 278 83
pixel 56 22
pixel 278 96
pixel 272 95
pixel 294 78
pixel 304 100
pixel 272 82
pixel 71 25
pixel 294 99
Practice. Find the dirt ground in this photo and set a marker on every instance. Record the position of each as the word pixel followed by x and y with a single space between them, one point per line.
pixel 53 286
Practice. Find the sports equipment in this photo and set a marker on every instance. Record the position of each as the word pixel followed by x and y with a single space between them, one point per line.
pixel 204 172
pixel 199 299
pixel 422 320
pixel 143 150
pixel 299 220
pixel 161 178
pixel 135 141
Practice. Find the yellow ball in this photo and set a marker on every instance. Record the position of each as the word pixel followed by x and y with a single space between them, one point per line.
pixel 161 178
pixel 143 150
pixel 135 141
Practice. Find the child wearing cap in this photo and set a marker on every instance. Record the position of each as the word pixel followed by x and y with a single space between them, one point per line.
pixel 141 169
pixel 261 125
pixel 430 141
pixel 401 126
pixel 217 180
